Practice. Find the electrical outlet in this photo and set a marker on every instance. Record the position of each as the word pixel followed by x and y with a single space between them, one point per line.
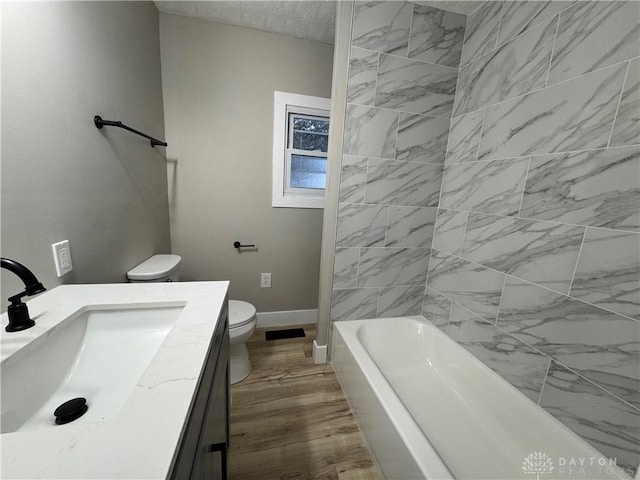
pixel 265 280
pixel 62 257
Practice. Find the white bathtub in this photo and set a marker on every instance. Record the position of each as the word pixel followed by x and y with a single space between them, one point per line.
pixel 429 409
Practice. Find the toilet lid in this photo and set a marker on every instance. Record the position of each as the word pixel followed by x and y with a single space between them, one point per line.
pixel 240 313
pixel 155 267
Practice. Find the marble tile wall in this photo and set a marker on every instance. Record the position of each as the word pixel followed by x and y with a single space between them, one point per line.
pixel 403 69
pixel 496 160
pixel 535 262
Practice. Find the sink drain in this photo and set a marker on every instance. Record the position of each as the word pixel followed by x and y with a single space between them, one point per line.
pixel 71 410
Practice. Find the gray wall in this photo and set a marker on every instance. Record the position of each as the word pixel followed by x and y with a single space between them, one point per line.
pixel 218 83
pixel 104 191
pixel 535 265
pixel 399 103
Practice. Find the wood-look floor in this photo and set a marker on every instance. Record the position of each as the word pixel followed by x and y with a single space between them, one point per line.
pixel 290 420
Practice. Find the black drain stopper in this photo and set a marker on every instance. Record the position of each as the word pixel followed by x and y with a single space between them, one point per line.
pixel 71 410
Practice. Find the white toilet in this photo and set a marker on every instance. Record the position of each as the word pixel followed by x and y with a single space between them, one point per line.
pixel 242 315
pixel 242 324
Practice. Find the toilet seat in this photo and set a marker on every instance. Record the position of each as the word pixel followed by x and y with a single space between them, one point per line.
pixel 240 313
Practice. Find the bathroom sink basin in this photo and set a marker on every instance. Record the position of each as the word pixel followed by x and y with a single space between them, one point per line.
pixel 99 353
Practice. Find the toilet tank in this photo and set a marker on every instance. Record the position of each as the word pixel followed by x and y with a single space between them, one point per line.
pixel 158 268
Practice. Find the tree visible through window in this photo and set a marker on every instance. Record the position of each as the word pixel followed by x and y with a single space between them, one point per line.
pixel 300 146
pixel 307 148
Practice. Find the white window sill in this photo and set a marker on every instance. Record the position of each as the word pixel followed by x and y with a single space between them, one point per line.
pixel 291 201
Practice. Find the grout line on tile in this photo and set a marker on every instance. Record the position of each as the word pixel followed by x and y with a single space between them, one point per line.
pixel 358 266
pixel 537 350
pixel 524 187
pixel 601 387
pixel 553 47
pixel 544 380
pixel 386 225
pixel 446 149
pixel 396 110
pixel 495 46
pixel 464 234
pixel 615 116
pixel 413 9
pixel 450 314
pixel 519 157
pixel 375 88
pixel 504 284
pixel 549 86
pixel 484 117
pixel 417 60
pixel 541 21
pixel 366 177
pixel 544 287
pixel 575 268
pixel 608 229
pixel 395 150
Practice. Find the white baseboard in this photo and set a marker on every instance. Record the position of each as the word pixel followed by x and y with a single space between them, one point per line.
pixel 287 318
pixel 319 353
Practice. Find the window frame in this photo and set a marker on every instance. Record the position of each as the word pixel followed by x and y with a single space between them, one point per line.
pixel 283 195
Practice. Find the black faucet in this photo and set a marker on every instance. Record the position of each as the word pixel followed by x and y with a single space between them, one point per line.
pixel 18 313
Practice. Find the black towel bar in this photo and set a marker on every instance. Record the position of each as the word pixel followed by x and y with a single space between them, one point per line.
pixel 99 123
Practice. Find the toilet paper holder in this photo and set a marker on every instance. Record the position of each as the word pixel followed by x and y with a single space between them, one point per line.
pixel 238 245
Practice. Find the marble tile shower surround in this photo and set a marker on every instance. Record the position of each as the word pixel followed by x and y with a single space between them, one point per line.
pixel 403 69
pixel 626 129
pixel 592 35
pixel 414 86
pixel 536 251
pixel 436 36
pixel 489 187
pixel 522 366
pixel 529 198
pixel 404 56
pixel 612 426
pixel 422 138
pixel 570 116
pixel 541 252
pixel 602 347
pixel 464 137
pixel 517 67
pixel 403 183
pixel 518 16
pixel 608 273
pixel 576 188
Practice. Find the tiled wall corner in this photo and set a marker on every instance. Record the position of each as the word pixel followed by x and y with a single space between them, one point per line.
pixel 403 69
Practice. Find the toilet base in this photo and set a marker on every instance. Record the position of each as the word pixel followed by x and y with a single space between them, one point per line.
pixel 239 363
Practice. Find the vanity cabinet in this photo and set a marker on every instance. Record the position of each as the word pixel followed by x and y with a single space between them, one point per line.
pixel 203 451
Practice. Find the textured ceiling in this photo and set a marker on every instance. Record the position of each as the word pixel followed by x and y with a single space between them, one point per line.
pixel 313 20
pixel 310 19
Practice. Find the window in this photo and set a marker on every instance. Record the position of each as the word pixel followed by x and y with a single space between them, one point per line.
pixel 300 145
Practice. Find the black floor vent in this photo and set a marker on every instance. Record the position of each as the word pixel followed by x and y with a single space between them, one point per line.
pixel 286 333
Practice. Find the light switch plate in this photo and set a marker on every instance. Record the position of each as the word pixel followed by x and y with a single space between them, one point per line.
pixel 62 257
pixel 265 280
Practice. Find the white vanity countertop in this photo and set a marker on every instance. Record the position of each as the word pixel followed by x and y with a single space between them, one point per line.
pixel 139 441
